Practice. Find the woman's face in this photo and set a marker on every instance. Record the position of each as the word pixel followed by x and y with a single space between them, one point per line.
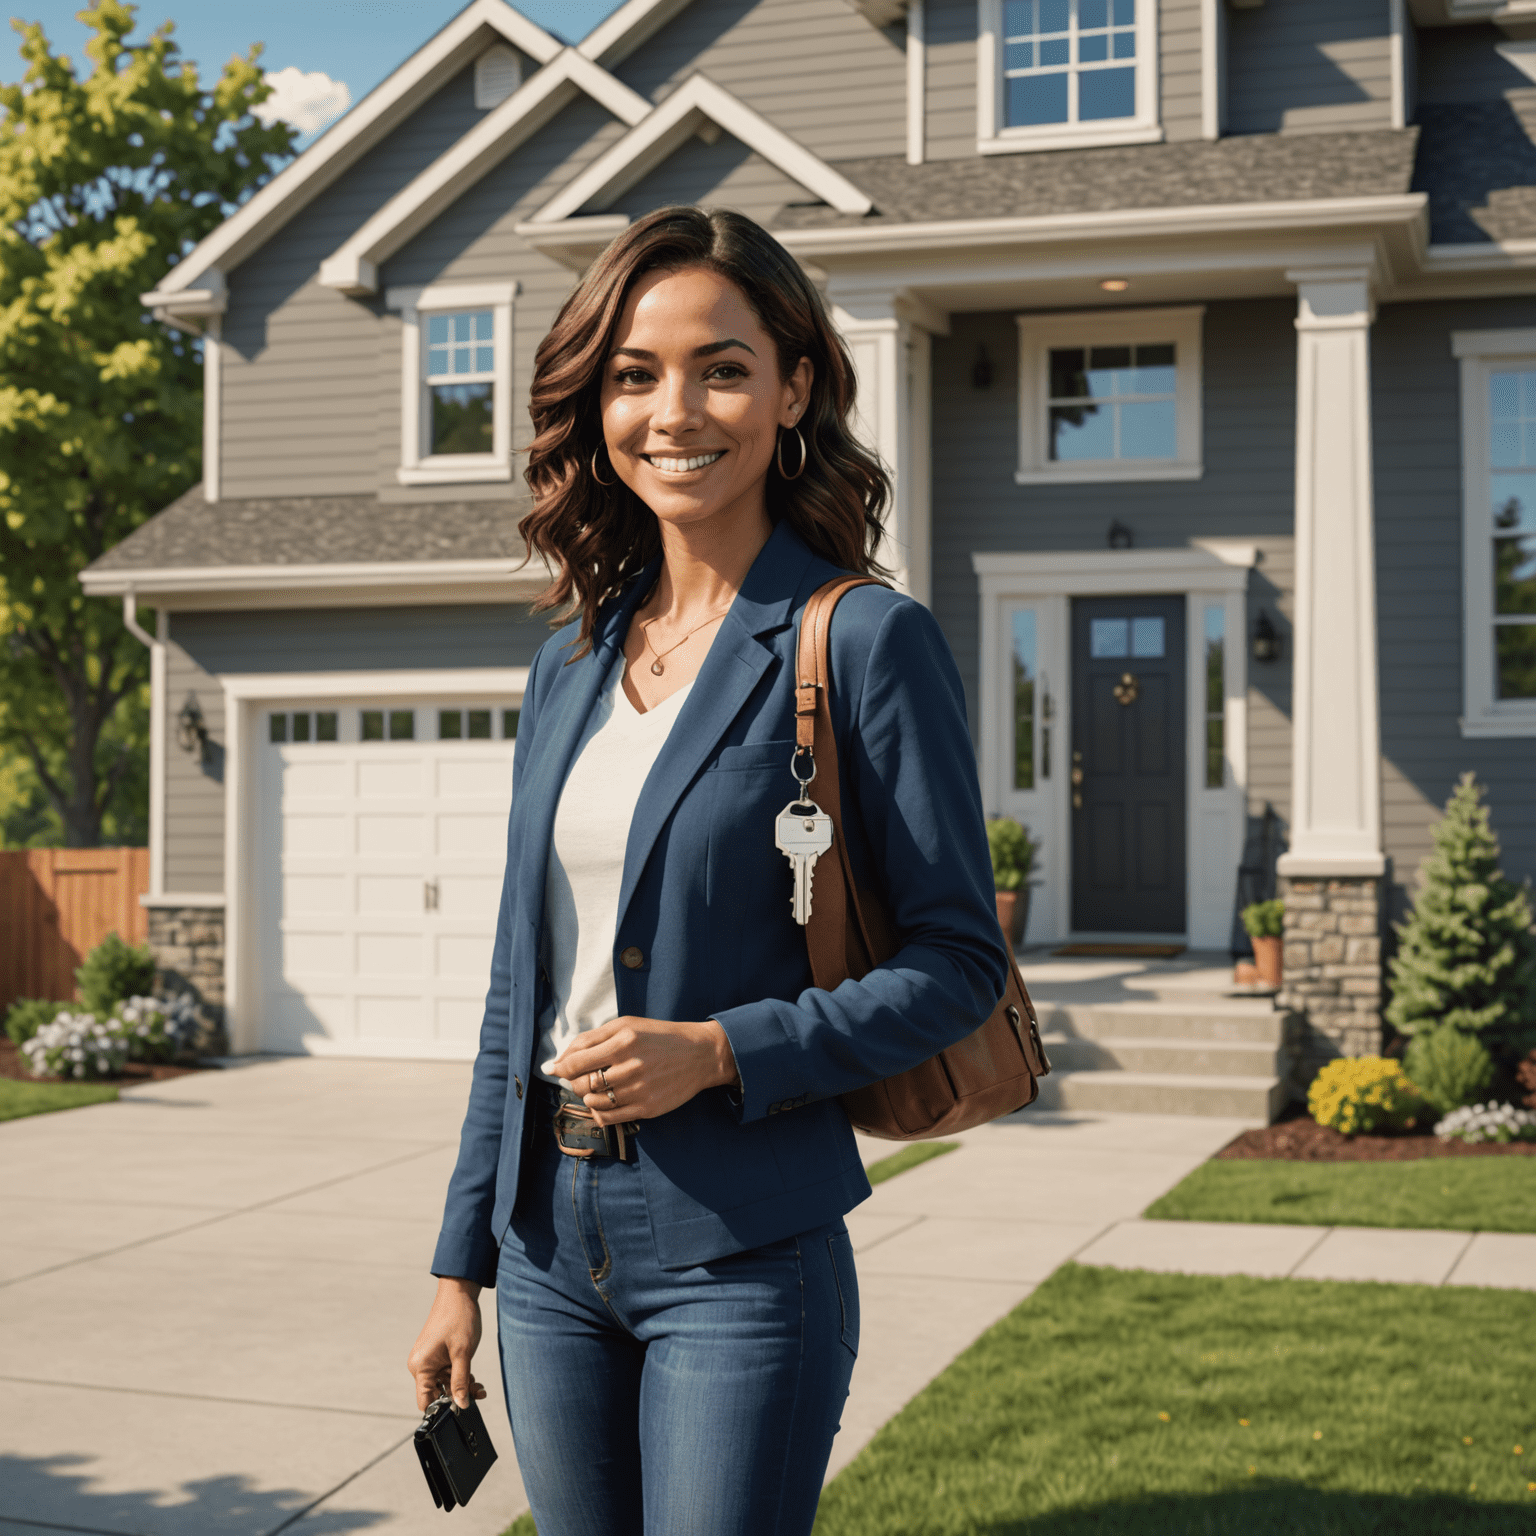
pixel 693 399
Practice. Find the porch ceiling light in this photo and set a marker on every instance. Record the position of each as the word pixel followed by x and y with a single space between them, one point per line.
pixel 1115 284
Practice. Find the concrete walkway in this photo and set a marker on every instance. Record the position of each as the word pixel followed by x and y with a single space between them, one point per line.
pixel 207 1289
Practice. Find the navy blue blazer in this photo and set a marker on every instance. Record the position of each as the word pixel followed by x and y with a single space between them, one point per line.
pixel 706 900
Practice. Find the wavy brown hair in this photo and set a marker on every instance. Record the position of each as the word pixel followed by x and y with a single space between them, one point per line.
pixel 598 537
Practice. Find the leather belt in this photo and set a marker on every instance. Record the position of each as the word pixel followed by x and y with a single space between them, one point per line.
pixel 577 1134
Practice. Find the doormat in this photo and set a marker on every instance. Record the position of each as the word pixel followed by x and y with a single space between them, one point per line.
pixel 1122 951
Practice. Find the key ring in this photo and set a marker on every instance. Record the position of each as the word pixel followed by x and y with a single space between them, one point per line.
pixel 794 758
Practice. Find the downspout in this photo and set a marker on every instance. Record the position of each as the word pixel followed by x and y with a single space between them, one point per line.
pixel 156 644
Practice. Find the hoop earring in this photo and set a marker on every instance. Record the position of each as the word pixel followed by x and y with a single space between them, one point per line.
pixel 778 454
pixel 597 476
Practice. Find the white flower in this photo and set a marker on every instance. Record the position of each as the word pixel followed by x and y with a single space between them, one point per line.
pixel 1475 1123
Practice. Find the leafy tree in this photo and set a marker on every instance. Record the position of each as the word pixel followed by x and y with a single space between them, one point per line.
pixel 106 180
pixel 1467 955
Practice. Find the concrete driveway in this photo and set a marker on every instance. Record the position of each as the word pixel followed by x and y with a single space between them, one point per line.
pixel 207 1290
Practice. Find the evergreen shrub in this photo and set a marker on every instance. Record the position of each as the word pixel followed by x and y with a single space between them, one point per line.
pixel 1448 1067
pixel 114 971
pixel 1365 1096
pixel 27 1015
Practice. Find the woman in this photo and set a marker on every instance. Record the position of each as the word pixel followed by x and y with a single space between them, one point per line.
pixel 678 1312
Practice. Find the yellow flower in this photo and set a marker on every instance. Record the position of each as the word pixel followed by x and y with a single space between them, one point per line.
pixel 1243 1422
pixel 1252 1470
pixel 1165 1418
pixel 1317 1434
pixel 1519 1450
pixel 1466 1439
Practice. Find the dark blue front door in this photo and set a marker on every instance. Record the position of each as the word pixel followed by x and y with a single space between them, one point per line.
pixel 1128 781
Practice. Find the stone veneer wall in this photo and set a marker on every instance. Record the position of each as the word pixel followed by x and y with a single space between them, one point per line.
pixel 188 944
pixel 1332 980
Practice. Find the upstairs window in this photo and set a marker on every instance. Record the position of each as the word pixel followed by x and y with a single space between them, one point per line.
pixel 456 399
pixel 1109 395
pixel 1055 73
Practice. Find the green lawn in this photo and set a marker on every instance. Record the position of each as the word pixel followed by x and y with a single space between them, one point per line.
pixel 910 1156
pixel 1113 1404
pixel 1465 1194
pixel 19 1099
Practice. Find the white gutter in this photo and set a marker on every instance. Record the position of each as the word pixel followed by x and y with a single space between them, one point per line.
pixel 171 580
pixel 156 644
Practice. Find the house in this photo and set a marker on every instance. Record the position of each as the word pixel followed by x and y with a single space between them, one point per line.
pixel 1199 336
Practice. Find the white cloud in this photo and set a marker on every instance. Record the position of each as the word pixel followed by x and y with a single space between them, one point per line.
pixel 309 101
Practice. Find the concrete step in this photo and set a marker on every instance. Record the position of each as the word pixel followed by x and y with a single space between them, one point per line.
pixel 1163 1093
pixel 1147 1053
pixel 1240 1022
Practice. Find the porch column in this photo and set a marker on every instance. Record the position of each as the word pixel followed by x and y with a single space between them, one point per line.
pixel 889 332
pixel 1332 872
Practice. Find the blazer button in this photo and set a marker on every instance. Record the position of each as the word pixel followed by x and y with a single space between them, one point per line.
pixel 517 1083
pixel 633 957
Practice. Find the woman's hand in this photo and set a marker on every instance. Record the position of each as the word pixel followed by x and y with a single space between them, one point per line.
pixel 652 1066
pixel 446 1345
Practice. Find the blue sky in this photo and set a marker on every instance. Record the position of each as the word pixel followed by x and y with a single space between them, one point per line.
pixel 357 42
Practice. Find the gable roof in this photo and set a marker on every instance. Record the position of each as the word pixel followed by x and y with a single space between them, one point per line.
pixel 342 145
pixel 353 268
pixel 697 102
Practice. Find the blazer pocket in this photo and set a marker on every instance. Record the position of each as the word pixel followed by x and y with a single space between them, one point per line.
pixel 757 754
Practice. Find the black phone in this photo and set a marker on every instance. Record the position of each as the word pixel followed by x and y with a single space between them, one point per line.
pixel 455 1451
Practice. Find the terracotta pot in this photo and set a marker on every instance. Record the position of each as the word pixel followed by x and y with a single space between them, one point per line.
pixel 1266 955
pixel 1013 913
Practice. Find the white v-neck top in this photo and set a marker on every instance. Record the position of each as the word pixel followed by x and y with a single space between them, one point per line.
pixel 586 859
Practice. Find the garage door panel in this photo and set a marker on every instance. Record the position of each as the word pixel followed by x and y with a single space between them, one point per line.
pixel 389 893
pixel 391 836
pixel 390 954
pixel 312 953
pixel 471 897
pixel 459 834
pixel 321 835
pixel 392 1017
pixel 304 895
pixel 315 780
pixel 397 776
pixel 459 778
pixel 459 1019
pixel 465 956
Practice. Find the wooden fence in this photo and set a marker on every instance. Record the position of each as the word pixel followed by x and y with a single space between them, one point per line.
pixel 57 904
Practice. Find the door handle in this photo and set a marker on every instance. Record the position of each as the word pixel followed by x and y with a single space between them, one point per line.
pixel 429 896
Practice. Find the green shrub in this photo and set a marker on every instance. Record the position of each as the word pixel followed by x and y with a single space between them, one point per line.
pixel 113 971
pixel 1448 1067
pixel 27 1015
pixel 1013 852
pixel 1264 919
pixel 1364 1096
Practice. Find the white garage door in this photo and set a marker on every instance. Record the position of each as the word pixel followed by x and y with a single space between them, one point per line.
pixel 382 837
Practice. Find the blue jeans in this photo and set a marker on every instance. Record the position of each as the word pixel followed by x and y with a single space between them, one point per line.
pixel 695 1402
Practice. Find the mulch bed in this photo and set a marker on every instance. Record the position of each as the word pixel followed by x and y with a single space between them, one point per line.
pixel 1302 1140
pixel 14 1064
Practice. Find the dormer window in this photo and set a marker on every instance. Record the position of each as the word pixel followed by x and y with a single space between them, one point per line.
pixel 498 72
pixel 456 385
pixel 1061 73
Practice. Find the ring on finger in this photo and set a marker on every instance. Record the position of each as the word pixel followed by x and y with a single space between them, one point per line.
pixel 613 1098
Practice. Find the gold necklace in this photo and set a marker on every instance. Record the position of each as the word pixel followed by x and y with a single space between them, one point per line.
pixel 645 633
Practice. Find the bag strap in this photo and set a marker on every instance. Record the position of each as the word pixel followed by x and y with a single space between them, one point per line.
pixel 834 897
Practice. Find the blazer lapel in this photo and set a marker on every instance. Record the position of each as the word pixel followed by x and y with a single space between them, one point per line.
pixel 731 670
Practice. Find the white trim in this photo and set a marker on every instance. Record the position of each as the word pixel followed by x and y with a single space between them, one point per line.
pixel 992 138
pixel 672 124
pixel 354 267
pixel 574 242
pixel 244 694
pixel 157 705
pixel 1038 333
pixel 213 408
pixel 171 580
pixel 375 116
pixel 1213 68
pixel 1335 715
pixel 612 41
pixel 1214 573
pixel 417 468
pixel 1521 54
pixel 182 899
pixel 1397 26
pixel 1484 715
pixel 917 81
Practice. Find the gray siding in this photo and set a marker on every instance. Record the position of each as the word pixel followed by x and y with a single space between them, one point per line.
pixel 950 107
pixel 1461 65
pixel 194 785
pixel 1178 69
pixel 814 68
pixel 725 174
pixel 1417 415
pixel 300 415
pixel 1309 66
pixel 1246 492
pixel 305 640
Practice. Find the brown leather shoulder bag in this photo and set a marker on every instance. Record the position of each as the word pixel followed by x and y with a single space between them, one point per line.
pixel 989 1073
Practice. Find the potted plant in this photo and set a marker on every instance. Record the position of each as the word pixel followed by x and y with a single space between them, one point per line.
pixel 1265 922
pixel 1013 861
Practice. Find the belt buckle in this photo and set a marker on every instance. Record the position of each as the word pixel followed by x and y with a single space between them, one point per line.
pixel 576 1121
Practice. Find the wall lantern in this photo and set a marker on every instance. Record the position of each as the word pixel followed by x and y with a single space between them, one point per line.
pixel 981 369
pixel 191 728
pixel 1119 536
pixel 1266 639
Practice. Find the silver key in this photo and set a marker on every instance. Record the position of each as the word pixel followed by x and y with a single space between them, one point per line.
pixel 803 833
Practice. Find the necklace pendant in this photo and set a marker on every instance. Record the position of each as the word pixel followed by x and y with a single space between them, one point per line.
pixel 656 668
